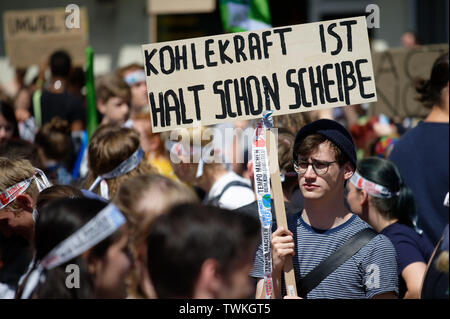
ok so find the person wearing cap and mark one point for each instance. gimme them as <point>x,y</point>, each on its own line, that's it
<point>325,159</point>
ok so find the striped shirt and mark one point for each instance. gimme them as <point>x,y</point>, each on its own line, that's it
<point>371,271</point>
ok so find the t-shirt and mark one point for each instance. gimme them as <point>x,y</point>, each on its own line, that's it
<point>410,246</point>
<point>235,196</point>
<point>66,106</point>
<point>422,156</point>
<point>436,284</point>
<point>369,272</point>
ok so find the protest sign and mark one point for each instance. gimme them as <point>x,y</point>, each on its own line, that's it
<point>180,6</point>
<point>237,76</point>
<point>396,72</point>
<point>32,35</point>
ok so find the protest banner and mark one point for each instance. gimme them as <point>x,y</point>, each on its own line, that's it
<point>396,73</point>
<point>32,35</point>
<point>237,76</point>
<point>180,6</point>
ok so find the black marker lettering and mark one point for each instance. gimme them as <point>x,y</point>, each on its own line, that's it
<point>271,93</point>
<point>327,83</point>
<point>148,66</point>
<point>239,44</point>
<point>340,85</point>
<point>194,58</point>
<point>362,79</point>
<point>196,89</point>
<point>184,119</point>
<point>240,95</point>
<point>259,105</point>
<point>267,44</point>
<point>222,99</point>
<point>171,60</point>
<point>179,58</point>
<point>281,32</point>
<point>316,85</point>
<point>254,44</point>
<point>169,108</point>
<point>338,39</point>
<point>302,87</point>
<point>345,77</point>
<point>296,87</point>
<point>157,110</point>
<point>209,53</point>
<point>322,39</point>
<point>349,24</point>
<point>222,48</point>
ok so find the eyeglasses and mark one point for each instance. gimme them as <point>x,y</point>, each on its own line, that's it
<point>319,167</point>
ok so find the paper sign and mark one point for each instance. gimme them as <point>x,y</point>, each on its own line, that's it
<point>396,71</point>
<point>210,80</point>
<point>180,6</point>
<point>32,35</point>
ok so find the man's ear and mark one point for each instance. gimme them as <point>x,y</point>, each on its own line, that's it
<point>348,170</point>
<point>207,284</point>
<point>101,106</point>
<point>25,202</point>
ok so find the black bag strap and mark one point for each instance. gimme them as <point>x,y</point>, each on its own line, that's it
<point>332,262</point>
<point>215,200</point>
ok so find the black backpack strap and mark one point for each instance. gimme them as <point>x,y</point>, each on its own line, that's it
<point>216,199</point>
<point>329,265</point>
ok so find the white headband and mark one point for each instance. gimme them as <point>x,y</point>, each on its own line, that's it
<point>11,193</point>
<point>372,188</point>
<point>126,166</point>
<point>106,222</point>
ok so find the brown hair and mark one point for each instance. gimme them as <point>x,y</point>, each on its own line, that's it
<point>312,142</point>
<point>57,191</point>
<point>109,147</point>
<point>16,171</point>
<point>54,139</point>
<point>430,90</point>
<point>141,199</point>
<point>109,86</point>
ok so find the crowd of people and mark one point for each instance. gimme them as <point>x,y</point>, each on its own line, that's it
<point>137,217</point>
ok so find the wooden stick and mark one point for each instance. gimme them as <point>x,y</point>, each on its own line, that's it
<point>280,213</point>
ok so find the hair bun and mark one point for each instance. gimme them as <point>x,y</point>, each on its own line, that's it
<point>59,125</point>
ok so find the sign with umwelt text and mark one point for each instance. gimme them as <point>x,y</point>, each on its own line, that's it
<point>33,35</point>
<point>211,80</point>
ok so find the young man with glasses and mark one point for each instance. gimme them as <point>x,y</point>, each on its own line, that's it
<point>325,158</point>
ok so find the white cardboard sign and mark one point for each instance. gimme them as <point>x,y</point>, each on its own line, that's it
<point>210,80</point>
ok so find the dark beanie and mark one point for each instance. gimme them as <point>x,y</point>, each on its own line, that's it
<point>333,131</point>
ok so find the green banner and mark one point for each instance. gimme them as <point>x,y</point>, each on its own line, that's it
<point>245,15</point>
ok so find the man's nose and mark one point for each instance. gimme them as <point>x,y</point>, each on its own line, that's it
<point>310,173</point>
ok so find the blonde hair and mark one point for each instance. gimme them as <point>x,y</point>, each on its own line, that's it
<point>141,199</point>
<point>13,172</point>
<point>109,147</point>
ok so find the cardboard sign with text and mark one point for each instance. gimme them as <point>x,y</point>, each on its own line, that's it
<point>396,72</point>
<point>180,6</point>
<point>224,78</point>
<point>32,35</point>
